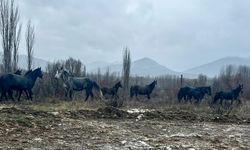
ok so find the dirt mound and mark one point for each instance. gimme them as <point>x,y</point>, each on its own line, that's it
<point>26,118</point>
<point>25,111</point>
<point>229,119</point>
<point>112,112</point>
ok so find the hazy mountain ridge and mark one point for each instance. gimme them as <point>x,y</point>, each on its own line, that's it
<point>140,67</point>
<point>22,62</point>
<point>148,67</point>
<point>213,68</point>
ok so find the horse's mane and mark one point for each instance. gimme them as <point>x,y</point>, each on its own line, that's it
<point>67,73</point>
<point>237,89</point>
<point>119,82</point>
<point>28,72</point>
<point>152,84</point>
<point>32,72</point>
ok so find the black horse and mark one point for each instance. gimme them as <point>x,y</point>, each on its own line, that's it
<point>112,91</point>
<point>197,93</point>
<point>18,72</point>
<point>71,83</point>
<point>183,93</point>
<point>139,90</point>
<point>229,96</point>
<point>10,82</point>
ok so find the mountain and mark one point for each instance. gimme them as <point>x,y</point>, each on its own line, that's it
<point>149,67</point>
<point>213,68</point>
<point>97,64</point>
<point>37,62</point>
<point>141,67</point>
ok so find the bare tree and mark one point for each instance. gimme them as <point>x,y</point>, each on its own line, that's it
<point>84,71</point>
<point>126,70</point>
<point>9,17</point>
<point>16,42</point>
<point>74,66</point>
<point>30,40</point>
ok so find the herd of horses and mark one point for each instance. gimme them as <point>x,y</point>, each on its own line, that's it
<point>24,83</point>
<point>198,94</point>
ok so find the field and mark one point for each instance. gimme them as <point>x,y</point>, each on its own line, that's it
<point>138,125</point>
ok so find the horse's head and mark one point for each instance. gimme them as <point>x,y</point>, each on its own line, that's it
<point>18,72</point>
<point>119,85</point>
<point>155,82</point>
<point>62,74</point>
<point>39,72</point>
<point>59,73</point>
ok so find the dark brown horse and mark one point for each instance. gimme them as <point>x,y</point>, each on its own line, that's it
<point>232,95</point>
<point>142,90</point>
<point>112,91</point>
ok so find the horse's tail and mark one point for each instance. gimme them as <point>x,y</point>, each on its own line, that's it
<point>98,88</point>
<point>103,91</point>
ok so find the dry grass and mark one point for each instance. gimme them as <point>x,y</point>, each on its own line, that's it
<point>56,105</point>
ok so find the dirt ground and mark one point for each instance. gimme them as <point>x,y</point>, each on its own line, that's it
<point>111,128</point>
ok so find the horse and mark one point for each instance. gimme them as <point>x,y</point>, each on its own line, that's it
<point>197,93</point>
<point>71,83</point>
<point>112,91</point>
<point>20,83</point>
<point>228,96</point>
<point>139,90</point>
<point>18,72</point>
<point>183,93</point>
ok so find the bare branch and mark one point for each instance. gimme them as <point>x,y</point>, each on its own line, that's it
<point>30,40</point>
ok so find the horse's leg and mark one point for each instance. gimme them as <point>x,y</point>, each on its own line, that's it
<point>66,93</point>
<point>30,95</point>
<point>19,95</point>
<point>4,95</point>
<point>148,95</point>
<point>221,100</point>
<point>136,95</point>
<point>27,94</point>
<point>131,94</point>
<point>10,93</point>
<point>87,95</point>
<point>239,101</point>
<point>198,101</point>
<point>117,96</point>
<point>71,94</point>
<point>92,95</point>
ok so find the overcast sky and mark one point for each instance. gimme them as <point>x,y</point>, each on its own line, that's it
<point>179,34</point>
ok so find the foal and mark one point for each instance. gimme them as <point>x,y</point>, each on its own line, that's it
<point>112,91</point>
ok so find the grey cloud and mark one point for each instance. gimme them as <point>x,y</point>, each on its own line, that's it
<point>179,34</point>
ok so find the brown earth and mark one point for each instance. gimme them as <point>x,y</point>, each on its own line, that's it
<point>111,128</point>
